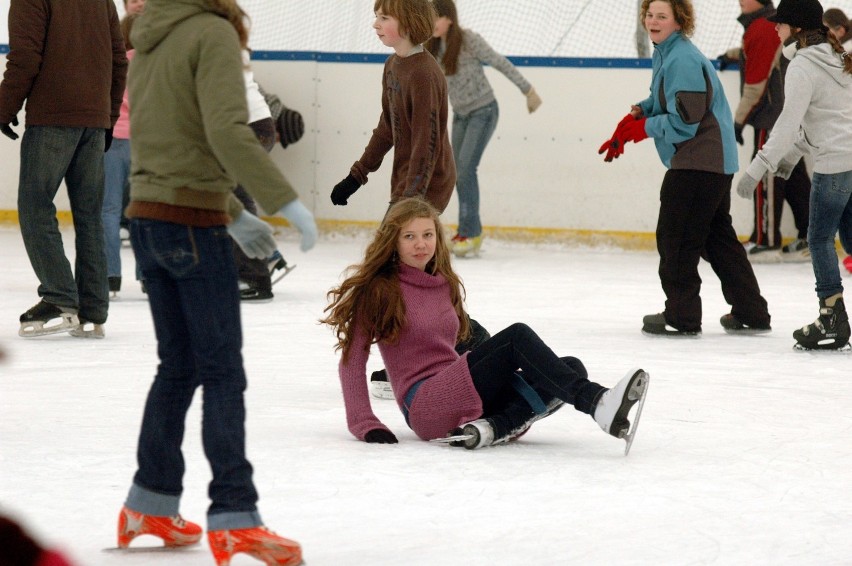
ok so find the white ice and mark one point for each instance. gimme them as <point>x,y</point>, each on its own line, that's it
<point>743,456</point>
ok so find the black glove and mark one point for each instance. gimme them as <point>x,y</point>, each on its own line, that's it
<point>344,189</point>
<point>107,139</point>
<point>724,61</point>
<point>380,436</point>
<point>9,132</point>
<point>738,133</point>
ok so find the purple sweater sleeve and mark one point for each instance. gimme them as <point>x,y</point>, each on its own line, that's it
<point>353,379</point>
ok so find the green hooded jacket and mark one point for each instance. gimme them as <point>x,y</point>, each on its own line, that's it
<point>190,143</point>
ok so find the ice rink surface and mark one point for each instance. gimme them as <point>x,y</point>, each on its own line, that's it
<point>743,455</point>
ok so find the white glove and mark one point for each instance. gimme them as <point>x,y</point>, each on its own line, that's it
<point>785,169</point>
<point>253,235</point>
<point>746,186</point>
<point>300,217</point>
<point>533,100</point>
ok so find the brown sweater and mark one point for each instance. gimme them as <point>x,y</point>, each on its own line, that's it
<point>67,60</point>
<point>414,124</point>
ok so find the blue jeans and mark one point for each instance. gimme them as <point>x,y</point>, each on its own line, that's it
<point>831,210</point>
<point>470,136</point>
<point>116,171</point>
<point>48,155</point>
<point>192,287</point>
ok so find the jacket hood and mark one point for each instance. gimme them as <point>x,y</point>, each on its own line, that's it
<point>827,59</point>
<point>159,19</point>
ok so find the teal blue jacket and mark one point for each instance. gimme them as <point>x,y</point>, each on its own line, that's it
<point>687,112</point>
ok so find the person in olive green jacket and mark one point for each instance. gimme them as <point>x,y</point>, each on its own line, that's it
<point>190,147</point>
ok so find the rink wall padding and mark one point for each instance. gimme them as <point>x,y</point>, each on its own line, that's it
<point>541,177</point>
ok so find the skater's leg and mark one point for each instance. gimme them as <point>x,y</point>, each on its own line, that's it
<point>728,260</point>
<point>85,182</point>
<point>253,271</point>
<point>682,228</point>
<point>45,155</point>
<point>116,170</point>
<point>830,197</point>
<point>469,143</point>
<point>493,364</point>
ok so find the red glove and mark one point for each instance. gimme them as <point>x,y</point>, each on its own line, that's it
<point>613,146</point>
<point>632,131</point>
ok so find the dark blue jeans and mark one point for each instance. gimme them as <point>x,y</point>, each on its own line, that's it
<point>493,365</point>
<point>192,287</point>
<point>48,155</point>
<point>831,211</point>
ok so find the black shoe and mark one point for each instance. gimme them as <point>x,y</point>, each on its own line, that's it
<point>829,332</point>
<point>255,295</point>
<point>656,325</point>
<point>732,325</point>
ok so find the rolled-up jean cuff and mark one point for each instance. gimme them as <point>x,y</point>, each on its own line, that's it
<point>233,520</point>
<point>148,502</point>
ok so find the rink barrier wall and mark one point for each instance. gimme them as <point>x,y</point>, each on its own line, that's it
<point>541,177</point>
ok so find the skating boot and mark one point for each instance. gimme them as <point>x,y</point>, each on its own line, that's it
<point>656,325</point>
<point>732,325</point>
<point>464,247</point>
<point>473,435</point>
<point>796,251</point>
<point>88,329</point>
<point>830,331</point>
<point>174,531</point>
<point>35,321</point>
<point>257,542</point>
<point>380,387</point>
<point>615,404</point>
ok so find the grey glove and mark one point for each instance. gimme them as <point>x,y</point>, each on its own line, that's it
<point>746,186</point>
<point>785,169</point>
<point>253,235</point>
<point>300,217</point>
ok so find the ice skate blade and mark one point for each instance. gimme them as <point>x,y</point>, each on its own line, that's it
<point>67,322</point>
<point>638,391</point>
<point>150,549</point>
<point>282,273</point>
<point>747,331</point>
<point>455,438</point>
<point>842,350</point>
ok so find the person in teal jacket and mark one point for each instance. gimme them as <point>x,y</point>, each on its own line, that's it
<point>690,121</point>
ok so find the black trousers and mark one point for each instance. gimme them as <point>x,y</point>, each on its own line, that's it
<point>694,222</point>
<point>769,201</point>
<point>255,271</point>
<point>493,365</point>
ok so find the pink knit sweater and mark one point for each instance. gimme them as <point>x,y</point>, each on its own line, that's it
<point>425,350</point>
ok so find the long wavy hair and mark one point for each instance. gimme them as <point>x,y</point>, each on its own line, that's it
<point>416,17</point>
<point>684,14</point>
<point>231,11</point>
<point>454,39</point>
<point>370,297</point>
<point>810,37</point>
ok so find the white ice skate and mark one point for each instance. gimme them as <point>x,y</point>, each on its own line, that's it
<point>380,387</point>
<point>45,318</point>
<point>473,435</point>
<point>88,329</point>
<point>613,409</point>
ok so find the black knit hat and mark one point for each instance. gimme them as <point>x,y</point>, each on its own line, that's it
<point>805,14</point>
<point>291,127</point>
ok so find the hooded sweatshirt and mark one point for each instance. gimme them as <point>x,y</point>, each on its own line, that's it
<point>817,115</point>
<point>191,143</point>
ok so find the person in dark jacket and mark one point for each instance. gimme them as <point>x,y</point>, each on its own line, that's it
<point>67,60</point>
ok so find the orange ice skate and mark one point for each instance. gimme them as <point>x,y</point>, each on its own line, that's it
<point>257,542</point>
<point>174,531</point>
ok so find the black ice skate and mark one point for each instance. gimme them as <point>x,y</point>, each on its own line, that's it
<point>733,325</point>
<point>830,331</point>
<point>656,325</point>
<point>278,267</point>
<point>37,321</point>
<point>614,406</point>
